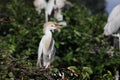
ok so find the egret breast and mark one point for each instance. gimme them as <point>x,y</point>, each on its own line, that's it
<point>60,3</point>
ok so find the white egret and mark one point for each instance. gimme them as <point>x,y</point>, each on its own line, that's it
<point>51,6</point>
<point>115,12</point>
<point>44,4</point>
<point>46,50</point>
<point>39,5</point>
<point>112,26</point>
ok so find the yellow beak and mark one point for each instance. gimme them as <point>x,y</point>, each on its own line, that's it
<point>57,27</point>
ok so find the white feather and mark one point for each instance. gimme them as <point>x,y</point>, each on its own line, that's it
<point>117,75</point>
<point>52,51</point>
<point>45,50</point>
<point>49,57</point>
<point>63,23</point>
<point>60,3</point>
<point>113,24</point>
<point>58,15</point>
<point>40,52</point>
<point>39,5</point>
<point>115,12</point>
<point>50,7</point>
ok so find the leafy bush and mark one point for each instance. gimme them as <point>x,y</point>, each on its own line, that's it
<point>81,47</point>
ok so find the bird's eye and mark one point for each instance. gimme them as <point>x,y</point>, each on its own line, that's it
<point>52,25</point>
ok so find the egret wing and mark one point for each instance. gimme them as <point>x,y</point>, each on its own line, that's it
<point>40,51</point>
<point>52,49</point>
<point>49,7</point>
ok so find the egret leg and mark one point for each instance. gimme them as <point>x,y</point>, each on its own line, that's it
<point>48,64</point>
<point>119,40</point>
<point>46,16</point>
<point>117,75</point>
<point>118,36</point>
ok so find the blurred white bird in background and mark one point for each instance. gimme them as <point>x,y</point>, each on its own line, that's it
<point>52,7</point>
<point>115,12</point>
<point>46,50</point>
<point>39,5</point>
<point>48,5</point>
<point>112,27</point>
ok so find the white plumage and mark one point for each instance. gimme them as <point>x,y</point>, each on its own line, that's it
<point>112,26</point>
<point>60,3</point>
<point>42,4</point>
<point>39,5</point>
<point>52,6</point>
<point>49,7</point>
<point>113,22</point>
<point>115,12</point>
<point>46,50</point>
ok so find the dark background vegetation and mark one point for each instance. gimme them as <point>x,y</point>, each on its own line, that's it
<point>81,47</point>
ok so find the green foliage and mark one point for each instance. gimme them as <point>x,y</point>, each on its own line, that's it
<point>81,47</point>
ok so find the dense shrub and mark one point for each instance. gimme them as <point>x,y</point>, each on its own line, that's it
<point>81,47</point>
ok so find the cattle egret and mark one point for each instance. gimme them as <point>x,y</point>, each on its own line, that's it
<point>48,5</point>
<point>112,28</point>
<point>51,6</point>
<point>46,50</point>
<point>113,24</point>
<point>115,12</point>
<point>39,5</point>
